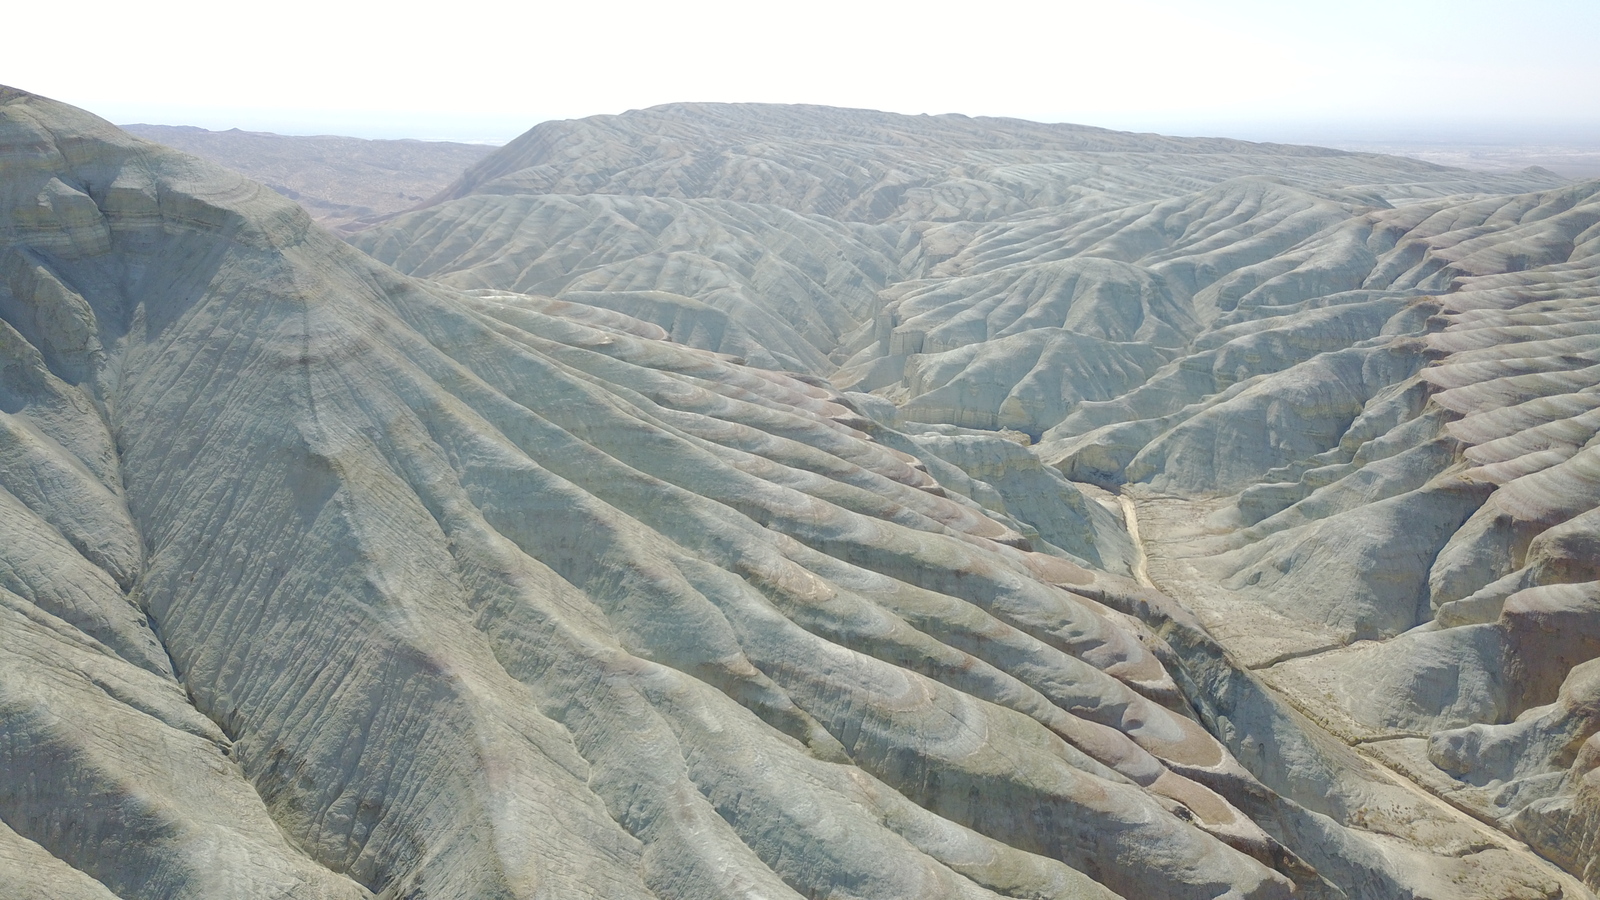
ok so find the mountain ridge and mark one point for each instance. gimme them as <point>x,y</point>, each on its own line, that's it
<point>426,591</point>
<point>1295,390</point>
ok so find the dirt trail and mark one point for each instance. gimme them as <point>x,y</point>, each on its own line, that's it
<point>1141,560</point>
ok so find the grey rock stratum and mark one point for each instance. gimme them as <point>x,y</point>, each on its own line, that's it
<point>771,502</point>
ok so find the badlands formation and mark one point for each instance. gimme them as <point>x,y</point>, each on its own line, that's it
<point>753,501</point>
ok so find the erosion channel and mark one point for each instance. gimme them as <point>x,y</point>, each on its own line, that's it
<point>719,501</point>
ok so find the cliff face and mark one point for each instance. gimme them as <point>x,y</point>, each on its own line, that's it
<point>323,580</point>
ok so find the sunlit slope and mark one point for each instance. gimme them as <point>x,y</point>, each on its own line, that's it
<point>1236,278</point>
<point>320,581</point>
<point>866,166</point>
<point>1416,512</point>
<point>1349,394</point>
<point>775,287</point>
<point>1019,268</point>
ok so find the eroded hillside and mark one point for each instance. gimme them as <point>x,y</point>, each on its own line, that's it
<point>1348,396</point>
<point>516,580</point>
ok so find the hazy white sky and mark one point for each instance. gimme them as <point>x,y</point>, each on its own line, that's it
<point>477,70</point>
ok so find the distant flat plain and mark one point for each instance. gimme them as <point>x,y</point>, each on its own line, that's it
<point>1574,159</point>
<point>341,181</point>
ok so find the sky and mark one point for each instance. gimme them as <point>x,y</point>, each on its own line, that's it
<point>481,71</point>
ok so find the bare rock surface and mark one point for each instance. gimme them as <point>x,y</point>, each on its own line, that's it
<point>551,562</point>
<point>461,596</point>
<point>1400,534</point>
<point>1342,388</point>
<point>775,287</point>
<point>1001,251</point>
<point>861,165</point>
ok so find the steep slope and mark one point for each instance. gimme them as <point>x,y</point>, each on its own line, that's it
<point>321,581</point>
<point>987,225</point>
<point>774,287</point>
<point>1346,399</point>
<point>1414,513</point>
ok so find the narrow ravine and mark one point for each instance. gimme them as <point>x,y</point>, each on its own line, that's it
<point>1141,560</point>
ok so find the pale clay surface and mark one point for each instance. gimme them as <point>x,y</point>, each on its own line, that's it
<point>541,577</point>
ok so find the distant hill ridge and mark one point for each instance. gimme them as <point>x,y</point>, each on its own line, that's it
<point>689,513</point>
<point>341,181</point>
